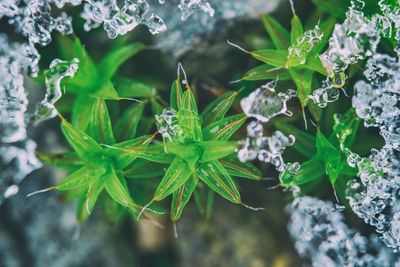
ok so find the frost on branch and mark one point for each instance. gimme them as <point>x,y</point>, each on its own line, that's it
<point>322,237</point>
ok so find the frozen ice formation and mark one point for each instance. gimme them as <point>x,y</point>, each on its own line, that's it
<point>376,197</point>
<point>326,94</point>
<point>34,20</point>
<point>322,237</point>
<point>16,162</point>
<point>266,149</point>
<point>167,124</point>
<point>351,41</point>
<point>187,8</point>
<point>15,59</point>
<point>119,17</point>
<point>58,70</point>
<point>299,51</point>
<point>264,104</point>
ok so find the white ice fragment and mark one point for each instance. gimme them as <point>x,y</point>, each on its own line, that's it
<point>16,162</point>
<point>266,149</point>
<point>167,124</point>
<point>187,8</point>
<point>263,104</point>
<point>300,49</point>
<point>118,19</point>
<point>57,71</point>
<point>322,237</point>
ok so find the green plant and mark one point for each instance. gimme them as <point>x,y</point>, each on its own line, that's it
<point>199,153</point>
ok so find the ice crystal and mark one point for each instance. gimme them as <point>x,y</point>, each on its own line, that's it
<point>16,161</point>
<point>264,104</point>
<point>33,18</point>
<point>187,8</point>
<point>326,94</point>
<point>322,237</point>
<point>351,41</point>
<point>266,149</point>
<point>119,19</point>
<point>299,51</point>
<point>375,198</point>
<point>57,71</point>
<point>14,60</point>
<point>167,124</point>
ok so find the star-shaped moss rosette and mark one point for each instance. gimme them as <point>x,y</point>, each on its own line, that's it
<point>197,149</point>
<point>95,168</point>
<point>295,57</point>
<point>94,81</point>
<point>328,157</point>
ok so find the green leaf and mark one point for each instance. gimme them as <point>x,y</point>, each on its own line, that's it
<point>218,179</point>
<point>156,107</point>
<point>66,161</point>
<point>310,170</point>
<point>240,169</point>
<point>99,126</point>
<point>333,7</point>
<point>303,80</point>
<point>346,126</point>
<point>296,29</point>
<point>272,57</point>
<point>177,174</point>
<point>126,152</point>
<point>114,59</point>
<point>266,72</point>
<point>144,169</point>
<point>126,125</point>
<point>84,145</point>
<point>217,109</point>
<point>225,128</point>
<point>305,143</point>
<point>314,63</point>
<point>176,94</point>
<point>213,150</point>
<point>181,197</point>
<point>88,199</point>
<point>127,87</point>
<point>329,155</point>
<point>80,178</point>
<point>188,152</point>
<point>117,190</point>
<point>82,107</point>
<point>327,27</point>
<point>188,117</point>
<point>279,35</point>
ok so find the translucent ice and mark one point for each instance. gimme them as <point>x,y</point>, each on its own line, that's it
<point>167,124</point>
<point>299,51</point>
<point>264,104</point>
<point>119,18</point>
<point>15,59</point>
<point>57,71</point>
<point>34,20</point>
<point>322,237</point>
<point>266,149</point>
<point>187,8</point>
<point>16,161</point>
